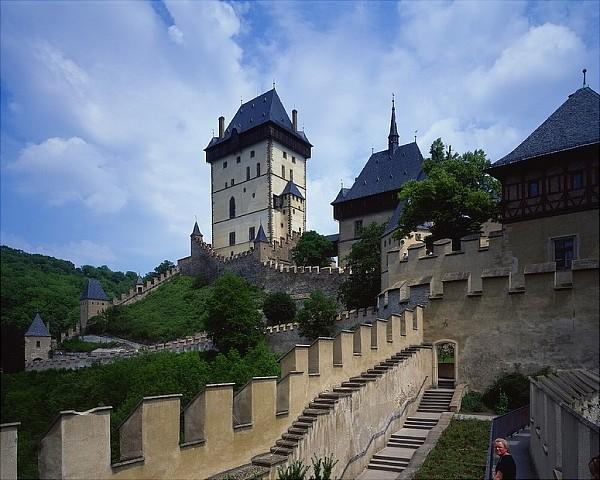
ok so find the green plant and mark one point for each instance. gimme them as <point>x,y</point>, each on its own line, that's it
<point>317,316</point>
<point>326,463</point>
<point>294,471</point>
<point>78,345</point>
<point>501,406</point>
<point>472,402</point>
<point>515,386</point>
<point>279,307</point>
<point>312,249</point>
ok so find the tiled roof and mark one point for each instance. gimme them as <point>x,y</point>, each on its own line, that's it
<point>260,236</point>
<point>262,109</point>
<point>93,291</point>
<point>37,328</point>
<point>292,189</point>
<point>575,123</point>
<point>384,173</point>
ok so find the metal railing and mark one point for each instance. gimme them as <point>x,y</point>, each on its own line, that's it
<point>502,427</point>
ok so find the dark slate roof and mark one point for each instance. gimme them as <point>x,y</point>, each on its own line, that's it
<point>196,230</point>
<point>260,236</point>
<point>393,223</point>
<point>37,328</point>
<point>334,237</point>
<point>262,109</point>
<point>384,173</point>
<point>292,189</point>
<point>575,123</point>
<point>93,291</point>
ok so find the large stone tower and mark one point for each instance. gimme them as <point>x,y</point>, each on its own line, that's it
<point>258,175</point>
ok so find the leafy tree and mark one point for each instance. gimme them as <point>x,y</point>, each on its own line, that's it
<point>312,249</point>
<point>457,196</point>
<point>233,319</point>
<point>317,316</point>
<point>163,267</point>
<point>279,307</point>
<point>364,283</point>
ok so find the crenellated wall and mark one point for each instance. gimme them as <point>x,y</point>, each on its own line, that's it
<point>527,321</point>
<point>135,295</point>
<point>221,430</point>
<point>258,267</point>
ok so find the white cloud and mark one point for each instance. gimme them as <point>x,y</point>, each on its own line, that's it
<point>84,252</point>
<point>66,170</point>
<point>176,34</point>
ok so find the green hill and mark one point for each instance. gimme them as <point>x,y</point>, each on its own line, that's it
<point>37,283</point>
<point>173,310</point>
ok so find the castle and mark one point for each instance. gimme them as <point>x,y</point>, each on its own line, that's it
<point>523,297</point>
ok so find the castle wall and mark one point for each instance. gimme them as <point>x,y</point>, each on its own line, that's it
<point>347,237</point>
<point>8,451</point>
<point>546,321</point>
<point>531,240</point>
<point>221,430</point>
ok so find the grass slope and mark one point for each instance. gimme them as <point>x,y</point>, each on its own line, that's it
<point>173,310</point>
<point>461,452</point>
<point>35,398</point>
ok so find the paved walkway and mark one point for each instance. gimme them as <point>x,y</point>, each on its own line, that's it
<point>519,449</point>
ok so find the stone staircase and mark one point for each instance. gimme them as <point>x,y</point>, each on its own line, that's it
<point>325,402</point>
<point>389,462</point>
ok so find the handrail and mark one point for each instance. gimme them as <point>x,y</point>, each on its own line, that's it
<point>502,427</point>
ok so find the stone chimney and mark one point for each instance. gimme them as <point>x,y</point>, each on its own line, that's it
<point>221,126</point>
<point>295,119</point>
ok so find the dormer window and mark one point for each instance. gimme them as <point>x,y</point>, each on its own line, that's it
<point>284,154</point>
<point>224,164</point>
<point>251,153</point>
<point>238,159</point>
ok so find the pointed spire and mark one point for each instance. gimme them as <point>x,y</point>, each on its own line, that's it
<point>37,328</point>
<point>260,236</point>
<point>140,280</point>
<point>393,137</point>
<point>196,231</point>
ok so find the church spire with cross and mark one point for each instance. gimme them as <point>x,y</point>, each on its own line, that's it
<point>393,137</point>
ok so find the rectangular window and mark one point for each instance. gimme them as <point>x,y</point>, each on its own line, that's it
<point>291,175</point>
<point>224,164</point>
<point>277,203</point>
<point>564,252</point>
<point>232,182</point>
<point>283,171</point>
<point>512,192</point>
<point>358,228</point>
<point>284,154</point>
<point>231,238</point>
<point>238,159</point>
<point>37,343</point>
<point>533,188</point>
<point>293,159</point>
<point>258,169</point>
<point>251,233</point>
<point>226,185</point>
<point>576,180</point>
<point>251,153</point>
<point>555,184</point>
<point>247,173</point>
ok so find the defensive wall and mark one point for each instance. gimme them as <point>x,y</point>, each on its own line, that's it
<point>137,292</point>
<point>222,430</point>
<point>72,361</point>
<point>259,267</point>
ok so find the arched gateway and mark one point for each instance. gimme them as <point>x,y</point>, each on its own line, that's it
<point>445,363</point>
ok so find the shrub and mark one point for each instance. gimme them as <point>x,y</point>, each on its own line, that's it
<point>472,402</point>
<point>515,387</point>
<point>312,249</point>
<point>279,307</point>
<point>294,471</point>
<point>317,316</point>
<point>501,406</point>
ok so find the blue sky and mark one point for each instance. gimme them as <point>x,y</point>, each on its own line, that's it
<point>106,107</point>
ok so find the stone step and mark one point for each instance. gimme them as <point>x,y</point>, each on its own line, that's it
<point>399,444</point>
<point>281,451</point>
<point>390,462</point>
<point>358,380</point>
<point>422,419</point>
<point>323,399</point>
<point>313,412</point>
<point>353,385</point>
<point>292,437</point>
<point>371,376</point>
<point>394,454</point>
<point>409,441</point>
<point>317,405</point>
<point>385,468</point>
<point>418,425</point>
<point>297,431</point>
<point>438,410</point>
<point>286,443</point>
<point>374,371</point>
<point>334,395</point>
<point>306,419</point>
<point>347,390</point>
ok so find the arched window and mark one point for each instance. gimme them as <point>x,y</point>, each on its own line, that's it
<point>232,207</point>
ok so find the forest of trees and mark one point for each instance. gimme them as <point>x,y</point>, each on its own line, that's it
<point>36,283</point>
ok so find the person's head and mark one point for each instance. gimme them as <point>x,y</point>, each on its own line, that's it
<point>501,446</point>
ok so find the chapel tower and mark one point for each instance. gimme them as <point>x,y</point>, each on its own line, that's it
<point>258,175</point>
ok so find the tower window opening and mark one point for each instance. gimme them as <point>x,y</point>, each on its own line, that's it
<point>247,173</point>
<point>283,171</point>
<point>258,169</point>
<point>232,207</point>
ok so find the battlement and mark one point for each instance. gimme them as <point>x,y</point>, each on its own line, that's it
<point>365,315</point>
<point>138,292</point>
<point>221,429</point>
